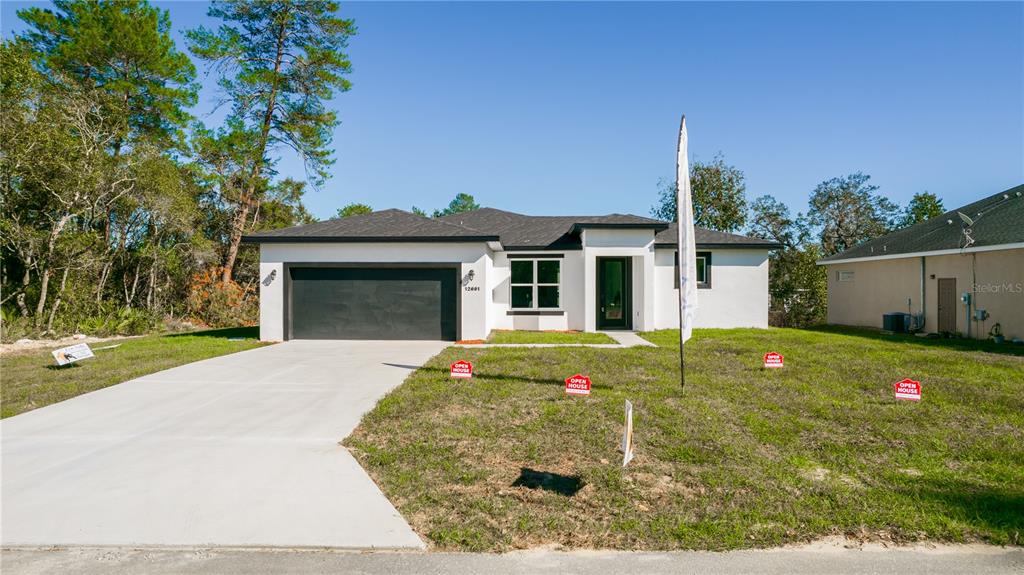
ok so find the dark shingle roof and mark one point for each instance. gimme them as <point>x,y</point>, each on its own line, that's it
<point>519,231</point>
<point>713,239</point>
<point>515,231</point>
<point>998,219</point>
<point>385,225</point>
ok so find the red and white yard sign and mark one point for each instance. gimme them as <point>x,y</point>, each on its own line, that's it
<point>577,385</point>
<point>772,359</point>
<point>908,389</point>
<point>462,369</point>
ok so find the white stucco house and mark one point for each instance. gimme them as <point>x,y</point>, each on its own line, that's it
<point>396,275</point>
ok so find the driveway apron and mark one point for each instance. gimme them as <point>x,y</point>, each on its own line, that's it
<point>239,450</point>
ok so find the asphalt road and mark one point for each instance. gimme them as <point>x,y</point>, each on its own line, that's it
<point>816,560</point>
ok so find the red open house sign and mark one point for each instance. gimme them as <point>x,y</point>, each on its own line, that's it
<point>577,385</point>
<point>462,369</point>
<point>772,359</point>
<point>908,389</point>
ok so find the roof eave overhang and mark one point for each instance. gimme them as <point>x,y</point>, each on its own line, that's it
<point>657,227</point>
<point>551,248</point>
<point>946,252</point>
<point>366,239</point>
<point>711,245</point>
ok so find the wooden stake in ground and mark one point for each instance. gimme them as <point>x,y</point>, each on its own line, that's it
<point>687,250</point>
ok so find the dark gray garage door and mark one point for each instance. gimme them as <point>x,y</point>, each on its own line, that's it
<point>373,303</point>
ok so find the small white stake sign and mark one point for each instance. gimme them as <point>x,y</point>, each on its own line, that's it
<point>627,436</point>
<point>71,354</point>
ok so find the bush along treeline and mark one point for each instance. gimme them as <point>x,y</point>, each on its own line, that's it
<point>841,213</point>
<point>120,210</point>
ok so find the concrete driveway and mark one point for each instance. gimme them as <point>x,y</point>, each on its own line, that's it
<point>239,450</point>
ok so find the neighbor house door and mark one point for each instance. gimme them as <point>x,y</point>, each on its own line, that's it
<point>947,305</point>
<point>613,293</point>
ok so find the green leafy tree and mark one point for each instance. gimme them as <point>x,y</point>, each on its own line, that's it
<point>418,211</point>
<point>846,211</point>
<point>354,210</point>
<point>923,206</point>
<point>461,203</point>
<point>120,56</point>
<point>770,220</point>
<point>279,62</point>
<point>796,283</point>
<point>719,196</point>
<point>123,49</point>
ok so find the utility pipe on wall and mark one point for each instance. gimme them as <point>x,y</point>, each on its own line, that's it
<point>921,326</point>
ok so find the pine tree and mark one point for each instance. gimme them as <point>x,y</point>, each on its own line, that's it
<point>279,62</point>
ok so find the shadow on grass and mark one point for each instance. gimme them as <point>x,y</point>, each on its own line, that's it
<point>567,485</point>
<point>477,374</point>
<point>998,510</point>
<point>958,344</point>
<point>252,332</point>
<point>64,367</point>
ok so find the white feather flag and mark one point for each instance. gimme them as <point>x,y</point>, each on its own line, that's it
<point>687,245</point>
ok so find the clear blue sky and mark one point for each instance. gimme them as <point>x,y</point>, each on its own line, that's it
<point>552,108</point>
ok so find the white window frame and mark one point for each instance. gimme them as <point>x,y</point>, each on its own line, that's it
<point>535,284</point>
<point>844,276</point>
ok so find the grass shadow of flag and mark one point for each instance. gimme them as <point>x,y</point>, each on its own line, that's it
<point>566,485</point>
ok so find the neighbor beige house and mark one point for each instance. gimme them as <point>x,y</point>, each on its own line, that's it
<point>959,273</point>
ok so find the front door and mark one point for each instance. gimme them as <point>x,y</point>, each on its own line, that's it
<point>947,305</point>
<point>613,293</point>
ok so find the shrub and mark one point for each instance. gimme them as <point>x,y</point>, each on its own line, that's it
<point>123,321</point>
<point>220,304</point>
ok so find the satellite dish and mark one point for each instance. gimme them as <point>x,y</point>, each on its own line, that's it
<point>966,219</point>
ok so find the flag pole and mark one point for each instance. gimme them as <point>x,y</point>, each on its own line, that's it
<point>683,224</point>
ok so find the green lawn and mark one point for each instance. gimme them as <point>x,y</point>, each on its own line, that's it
<point>743,457</point>
<point>32,379</point>
<point>570,337</point>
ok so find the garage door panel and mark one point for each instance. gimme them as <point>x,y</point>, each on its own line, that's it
<point>373,303</point>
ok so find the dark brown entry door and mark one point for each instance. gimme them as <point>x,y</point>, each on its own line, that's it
<point>613,293</point>
<point>947,305</point>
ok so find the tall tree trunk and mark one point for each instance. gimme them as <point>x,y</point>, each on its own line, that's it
<point>25,280</point>
<point>151,289</point>
<point>59,300</point>
<point>130,298</point>
<point>104,274</point>
<point>237,227</point>
<point>44,285</point>
<point>51,245</point>
<point>246,201</point>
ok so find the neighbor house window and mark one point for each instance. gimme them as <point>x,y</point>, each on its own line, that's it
<point>844,276</point>
<point>703,271</point>
<point>535,283</point>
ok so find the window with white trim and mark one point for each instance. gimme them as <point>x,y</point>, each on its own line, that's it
<point>536,284</point>
<point>844,276</point>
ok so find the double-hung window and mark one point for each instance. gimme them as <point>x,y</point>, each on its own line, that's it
<point>536,284</point>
